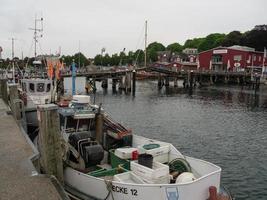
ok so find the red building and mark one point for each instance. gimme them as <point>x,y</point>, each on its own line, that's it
<point>235,58</point>
<point>187,60</point>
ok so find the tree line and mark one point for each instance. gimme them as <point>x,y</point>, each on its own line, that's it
<point>255,38</point>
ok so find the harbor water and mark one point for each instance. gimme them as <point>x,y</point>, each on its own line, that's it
<point>223,125</point>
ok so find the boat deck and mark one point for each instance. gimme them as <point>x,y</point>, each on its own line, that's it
<point>19,179</point>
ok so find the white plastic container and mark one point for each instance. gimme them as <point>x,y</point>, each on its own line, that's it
<point>160,154</point>
<point>125,153</point>
<point>83,99</point>
<point>128,177</point>
<point>158,170</point>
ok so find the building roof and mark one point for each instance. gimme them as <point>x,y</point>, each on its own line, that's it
<point>234,47</point>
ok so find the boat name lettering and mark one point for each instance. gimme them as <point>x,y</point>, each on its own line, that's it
<point>124,190</point>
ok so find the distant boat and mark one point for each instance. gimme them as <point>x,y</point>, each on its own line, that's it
<point>141,75</point>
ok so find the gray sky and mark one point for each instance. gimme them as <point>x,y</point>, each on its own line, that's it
<point>115,24</point>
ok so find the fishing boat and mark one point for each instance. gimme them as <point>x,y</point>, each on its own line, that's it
<point>105,160</point>
<point>39,85</point>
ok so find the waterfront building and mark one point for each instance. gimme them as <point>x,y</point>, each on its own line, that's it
<point>234,58</point>
<point>186,60</point>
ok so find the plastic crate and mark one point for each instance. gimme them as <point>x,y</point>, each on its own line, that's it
<point>108,172</point>
<point>128,177</point>
<point>115,161</point>
<point>160,154</point>
<point>158,170</point>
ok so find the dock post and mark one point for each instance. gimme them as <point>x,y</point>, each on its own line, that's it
<point>14,95</point>
<point>211,79</point>
<point>134,82</point>
<point>114,83</point>
<point>50,140</point>
<point>128,82</point>
<point>94,86</point>
<point>99,121</point>
<point>160,82</point>
<point>4,90</point>
<point>104,83</point>
<point>167,81</point>
<point>175,82</point>
<point>191,78</point>
<point>120,84</point>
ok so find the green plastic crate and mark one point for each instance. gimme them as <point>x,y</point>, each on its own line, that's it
<point>115,161</point>
<point>108,172</point>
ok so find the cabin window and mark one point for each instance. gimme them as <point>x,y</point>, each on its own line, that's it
<point>217,58</point>
<point>31,87</point>
<point>48,87</point>
<point>237,57</point>
<point>24,88</point>
<point>40,87</point>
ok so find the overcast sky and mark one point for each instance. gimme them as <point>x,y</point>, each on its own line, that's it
<point>118,24</point>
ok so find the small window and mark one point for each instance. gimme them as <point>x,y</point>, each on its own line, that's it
<point>40,87</point>
<point>31,87</point>
<point>48,87</point>
<point>259,58</point>
<point>254,58</point>
<point>237,57</point>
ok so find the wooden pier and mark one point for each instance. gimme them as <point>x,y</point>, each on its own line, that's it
<point>122,80</point>
<point>208,77</point>
<point>18,167</point>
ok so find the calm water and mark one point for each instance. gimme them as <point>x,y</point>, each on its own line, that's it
<point>226,126</point>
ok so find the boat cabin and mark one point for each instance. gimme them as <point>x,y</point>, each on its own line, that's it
<point>36,85</point>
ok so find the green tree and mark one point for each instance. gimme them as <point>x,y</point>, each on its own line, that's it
<point>79,58</point>
<point>256,39</point>
<point>193,43</point>
<point>174,47</point>
<point>211,41</point>
<point>152,50</point>
<point>233,38</point>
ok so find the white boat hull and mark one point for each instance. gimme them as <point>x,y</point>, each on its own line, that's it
<point>97,188</point>
<point>207,174</point>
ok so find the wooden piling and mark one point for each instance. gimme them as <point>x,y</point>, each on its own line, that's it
<point>99,121</point>
<point>14,96</point>
<point>160,82</point>
<point>175,82</point>
<point>104,83</point>
<point>4,90</point>
<point>167,81</point>
<point>134,82</point>
<point>50,141</point>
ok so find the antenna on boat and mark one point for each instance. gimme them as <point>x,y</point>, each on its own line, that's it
<point>12,55</point>
<point>36,31</point>
<point>145,42</point>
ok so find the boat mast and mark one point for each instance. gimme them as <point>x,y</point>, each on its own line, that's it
<point>12,55</point>
<point>36,30</point>
<point>145,42</point>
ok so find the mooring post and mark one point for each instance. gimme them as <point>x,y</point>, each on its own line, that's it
<point>4,91</point>
<point>104,83</point>
<point>167,81</point>
<point>50,140</point>
<point>160,82</point>
<point>14,95</point>
<point>128,82</point>
<point>175,82</point>
<point>191,78</point>
<point>114,83</point>
<point>99,121</point>
<point>134,81</point>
